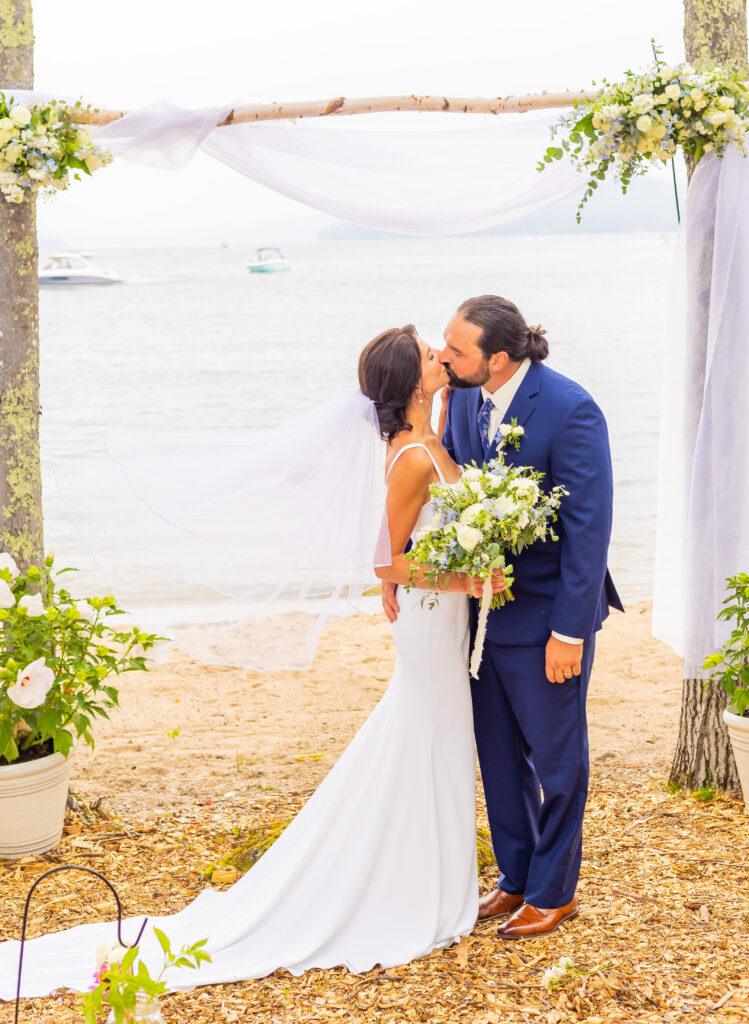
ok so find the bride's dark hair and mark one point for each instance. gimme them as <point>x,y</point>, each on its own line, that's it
<point>389,373</point>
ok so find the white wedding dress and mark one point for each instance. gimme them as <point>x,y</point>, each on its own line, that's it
<point>379,867</point>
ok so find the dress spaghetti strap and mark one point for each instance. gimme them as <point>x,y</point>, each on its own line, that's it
<point>416,444</point>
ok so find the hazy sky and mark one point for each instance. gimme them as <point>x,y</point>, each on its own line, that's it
<point>201,54</point>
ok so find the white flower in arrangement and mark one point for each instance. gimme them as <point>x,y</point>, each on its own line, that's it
<point>643,103</point>
<point>719,118</point>
<point>20,115</point>
<point>475,487</point>
<point>32,685</point>
<point>673,91</point>
<point>508,430</point>
<point>504,505</point>
<point>468,536</point>
<point>725,102</point>
<point>471,473</point>
<point>8,562</point>
<point>469,514</point>
<point>528,489</point>
<point>110,954</point>
<point>667,73</point>
<point>32,605</point>
<point>644,123</point>
<point>7,600</point>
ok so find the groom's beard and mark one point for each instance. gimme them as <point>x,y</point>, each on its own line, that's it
<point>481,376</point>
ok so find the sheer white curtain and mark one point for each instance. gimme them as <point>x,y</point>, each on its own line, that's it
<point>703,500</point>
<point>419,182</point>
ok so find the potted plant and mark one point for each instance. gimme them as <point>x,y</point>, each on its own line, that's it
<point>57,657</point>
<point>731,665</point>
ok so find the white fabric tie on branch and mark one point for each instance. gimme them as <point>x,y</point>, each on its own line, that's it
<point>416,182</point>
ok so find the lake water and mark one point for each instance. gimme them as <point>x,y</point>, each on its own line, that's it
<point>191,339</point>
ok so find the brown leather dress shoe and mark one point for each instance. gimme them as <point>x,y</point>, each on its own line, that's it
<point>530,921</point>
<point>498,902</point>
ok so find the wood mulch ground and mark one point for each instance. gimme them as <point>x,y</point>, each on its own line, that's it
<point>663,933</point>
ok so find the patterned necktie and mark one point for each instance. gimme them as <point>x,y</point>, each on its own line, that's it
<point>485,413</point>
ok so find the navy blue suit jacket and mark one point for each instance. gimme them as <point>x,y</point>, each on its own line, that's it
<point>561,585</point>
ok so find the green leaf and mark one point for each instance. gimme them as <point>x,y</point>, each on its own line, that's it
<point>63,742</point>
<point>163,940</point>
<point>129,958</point>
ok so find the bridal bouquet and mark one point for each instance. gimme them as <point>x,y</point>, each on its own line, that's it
<point>492,510</point>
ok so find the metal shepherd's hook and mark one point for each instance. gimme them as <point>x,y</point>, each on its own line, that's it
<point>53,871</point>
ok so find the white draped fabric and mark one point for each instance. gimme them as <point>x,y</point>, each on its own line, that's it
<point>416,182</point>
<point>703,499</point>
<point>452,181</point>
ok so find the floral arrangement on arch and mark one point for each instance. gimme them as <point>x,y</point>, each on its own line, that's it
<point>646,118</point>
<point>42,147</point>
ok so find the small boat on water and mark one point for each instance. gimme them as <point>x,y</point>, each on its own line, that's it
<point>74,268</point>
<point>268,260</point>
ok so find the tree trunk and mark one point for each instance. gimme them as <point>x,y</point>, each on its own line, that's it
<point>20,468</point>
<point>713,32</point>
<point>703,754</point>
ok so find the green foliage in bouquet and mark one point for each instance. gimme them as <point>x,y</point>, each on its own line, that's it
<point>492,510</point>
<point>731,662</point>
<point>120,987</point>
<point>647,118</point>
<point>56,657</point>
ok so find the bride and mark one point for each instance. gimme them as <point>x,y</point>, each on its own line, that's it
<point>379,867</point>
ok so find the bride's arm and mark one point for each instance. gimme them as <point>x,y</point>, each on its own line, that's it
<point>408,490</point>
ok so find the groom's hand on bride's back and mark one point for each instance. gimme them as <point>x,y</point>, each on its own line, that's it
<point>389,603</point>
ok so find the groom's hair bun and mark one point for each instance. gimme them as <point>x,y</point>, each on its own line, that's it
<point>503,329</point>
<point>389,373</point>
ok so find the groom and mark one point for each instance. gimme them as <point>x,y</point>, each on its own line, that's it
<point>529,698</point>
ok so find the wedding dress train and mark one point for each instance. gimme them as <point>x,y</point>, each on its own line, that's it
<point>379,867</point>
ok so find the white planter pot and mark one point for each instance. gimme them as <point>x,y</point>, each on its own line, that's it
<point>33,795</point>
<point>738,731</point>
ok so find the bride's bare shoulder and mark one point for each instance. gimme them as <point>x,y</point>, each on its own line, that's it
<point>413,467</point>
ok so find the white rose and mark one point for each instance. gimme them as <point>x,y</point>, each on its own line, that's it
<point>696,94</point>
<point>468,537</point>
<point>6,595</point>
<point>666,74</point>
<point>33,605</point>
<point>673,91</point>
<point>725,102</point>
<point>6,125</point>
<point>13,152</point>
<point>32,685</point>
<point>644,123</point>
<point>8,562</point>
<point>20,115</point>
<point>718,119</point>
<point>472,473</point>
<point>475,487</point>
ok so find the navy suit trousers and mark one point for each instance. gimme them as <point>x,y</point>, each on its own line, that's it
<point>532,741</point>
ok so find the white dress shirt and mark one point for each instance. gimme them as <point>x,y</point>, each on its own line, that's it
<point>502,399</point>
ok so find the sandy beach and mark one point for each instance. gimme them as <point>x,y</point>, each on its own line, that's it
<point>190,733</point>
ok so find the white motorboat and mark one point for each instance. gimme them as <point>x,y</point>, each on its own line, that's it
<point>74,268</point>
<point>268,260</point>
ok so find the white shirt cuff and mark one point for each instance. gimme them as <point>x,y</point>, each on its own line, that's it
<point>566,639</point>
